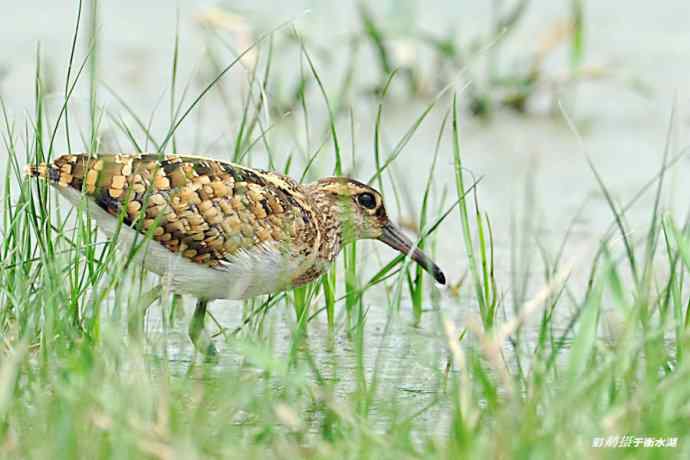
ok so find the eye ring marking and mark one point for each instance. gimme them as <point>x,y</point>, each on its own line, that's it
<point>366,200</point>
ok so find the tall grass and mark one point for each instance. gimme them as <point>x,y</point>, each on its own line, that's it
<point>84,373</point>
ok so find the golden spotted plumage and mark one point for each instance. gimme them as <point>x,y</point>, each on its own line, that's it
<point>205,210</point>
<point>221,230</point>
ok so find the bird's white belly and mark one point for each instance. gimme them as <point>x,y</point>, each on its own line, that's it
<point>260,270</point>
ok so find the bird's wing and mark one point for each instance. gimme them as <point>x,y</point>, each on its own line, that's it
<point>208,211</point>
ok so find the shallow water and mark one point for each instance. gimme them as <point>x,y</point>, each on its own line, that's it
<point>527,164</point>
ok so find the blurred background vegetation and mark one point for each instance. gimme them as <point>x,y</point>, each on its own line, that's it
<point>536,148</point>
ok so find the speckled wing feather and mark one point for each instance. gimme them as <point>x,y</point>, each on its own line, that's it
<point>205,210</point>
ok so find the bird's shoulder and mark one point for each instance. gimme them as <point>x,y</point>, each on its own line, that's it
<point>209,211</point>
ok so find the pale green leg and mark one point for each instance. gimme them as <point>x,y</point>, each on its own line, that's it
<point>176,303</point>
<point>198,334</point>
<point>136,318</point>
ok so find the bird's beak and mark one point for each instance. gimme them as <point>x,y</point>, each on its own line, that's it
<point>394,238</point>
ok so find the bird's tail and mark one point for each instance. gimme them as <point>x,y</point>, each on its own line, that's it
<point>65,170</point>
<point>40,170</point>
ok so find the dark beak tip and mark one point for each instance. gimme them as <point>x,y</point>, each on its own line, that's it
<point>439,276</point>
<point>394,238</point>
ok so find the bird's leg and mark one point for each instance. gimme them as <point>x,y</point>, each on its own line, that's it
<point>176,302</point>
<point>150,297</point>
<point>136,317</point>
<point>197,333</point>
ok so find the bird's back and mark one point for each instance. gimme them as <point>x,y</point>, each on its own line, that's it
<point>214,214</point>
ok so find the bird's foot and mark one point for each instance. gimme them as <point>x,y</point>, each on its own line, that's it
<point>204,345</point>
<point>199,336</point>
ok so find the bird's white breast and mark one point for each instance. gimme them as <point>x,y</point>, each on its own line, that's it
<point>262,269</point>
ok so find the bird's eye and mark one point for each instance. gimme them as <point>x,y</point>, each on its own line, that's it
<point>366,200</point>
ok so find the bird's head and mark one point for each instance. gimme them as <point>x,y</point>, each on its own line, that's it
<point>359,212</point>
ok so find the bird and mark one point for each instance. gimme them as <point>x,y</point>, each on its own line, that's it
<point>219,230</point>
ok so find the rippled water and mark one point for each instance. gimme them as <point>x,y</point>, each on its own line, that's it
<point>532,163</point>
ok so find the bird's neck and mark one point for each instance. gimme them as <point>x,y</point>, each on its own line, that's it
<point>327,220</point>
<point>329,223</point>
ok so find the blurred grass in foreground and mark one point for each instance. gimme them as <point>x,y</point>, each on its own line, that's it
<point>77,382</point>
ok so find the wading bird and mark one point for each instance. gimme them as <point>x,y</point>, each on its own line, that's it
<point>218,230</point>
